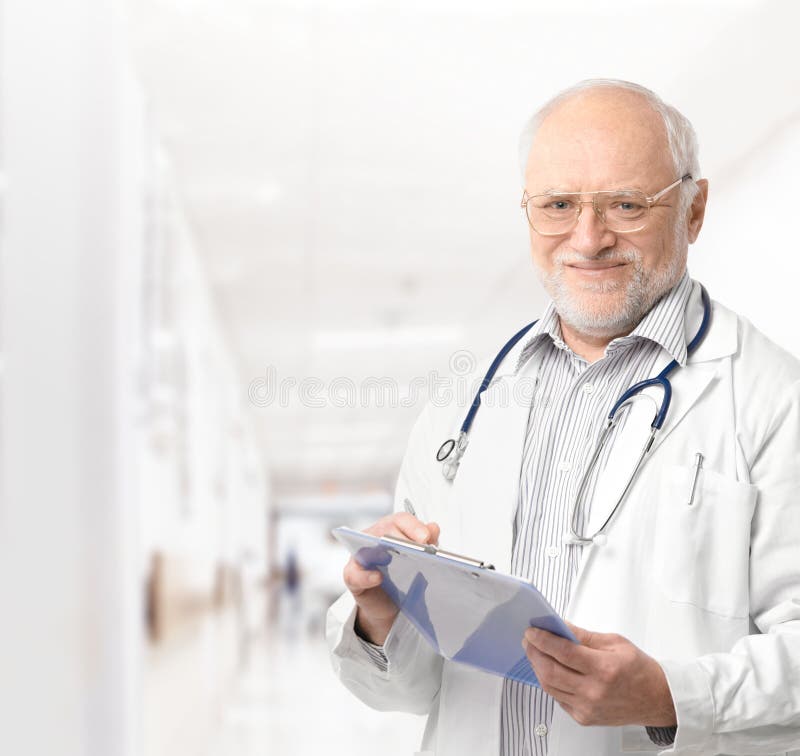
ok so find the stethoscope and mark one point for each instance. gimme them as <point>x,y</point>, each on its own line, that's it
<point>452,450</point>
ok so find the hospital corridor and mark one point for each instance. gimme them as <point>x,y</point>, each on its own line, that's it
<point>262,706</point>
<point>242,244</point>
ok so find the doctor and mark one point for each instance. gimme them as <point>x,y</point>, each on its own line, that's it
<point>687,606</point>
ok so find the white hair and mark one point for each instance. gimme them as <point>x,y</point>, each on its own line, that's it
<point>681,136</point>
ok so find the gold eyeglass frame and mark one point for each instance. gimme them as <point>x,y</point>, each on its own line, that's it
<point>651,201</point>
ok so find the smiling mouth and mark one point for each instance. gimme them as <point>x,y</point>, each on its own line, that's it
<point>595,267</point>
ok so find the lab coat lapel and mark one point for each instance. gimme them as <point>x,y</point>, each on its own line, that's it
<point>690,382</point>
<point>486,487</point>
<point>688,385</point>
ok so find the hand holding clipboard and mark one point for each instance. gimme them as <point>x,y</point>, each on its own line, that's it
<point>465,610</point>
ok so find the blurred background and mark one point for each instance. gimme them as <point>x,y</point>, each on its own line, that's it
<point>239,240</point>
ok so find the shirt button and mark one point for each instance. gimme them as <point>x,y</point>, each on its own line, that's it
<point>552,551</point>
<point>565,465</point>
<point>588,388</point>
<point>540,730</point>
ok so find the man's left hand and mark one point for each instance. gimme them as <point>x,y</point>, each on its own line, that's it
<point>603,680</point>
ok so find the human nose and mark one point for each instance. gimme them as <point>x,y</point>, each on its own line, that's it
<point>590,234</point>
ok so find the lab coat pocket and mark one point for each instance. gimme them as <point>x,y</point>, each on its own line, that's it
<point>703,537</point>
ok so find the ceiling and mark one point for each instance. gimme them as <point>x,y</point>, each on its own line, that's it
<point>348,170</point>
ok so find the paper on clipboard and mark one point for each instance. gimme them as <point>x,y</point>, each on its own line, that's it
<point>466,611</point>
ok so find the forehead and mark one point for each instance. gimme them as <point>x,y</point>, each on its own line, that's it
<point>600,140</point>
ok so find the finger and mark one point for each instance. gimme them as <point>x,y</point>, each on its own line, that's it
<point>409,527</point>
<point>392,524</point>
<point>401,525</point>
<point>566,706</point>
<point>552,673</point>
<point>585,637</point>
<point>357,579</point>
<point>563,698</point>
<point>435,531</point>
<point>548,685</point>
<point>572,655</point>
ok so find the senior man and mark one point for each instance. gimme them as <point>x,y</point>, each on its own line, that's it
<point>687,607</point>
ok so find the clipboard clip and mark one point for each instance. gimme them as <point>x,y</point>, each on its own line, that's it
<point>429,548</point>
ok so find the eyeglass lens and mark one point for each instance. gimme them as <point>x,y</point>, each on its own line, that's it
<point>558,213</point>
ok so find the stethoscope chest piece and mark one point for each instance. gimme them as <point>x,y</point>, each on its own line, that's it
<point>450,468</point>
<point>450,452</point>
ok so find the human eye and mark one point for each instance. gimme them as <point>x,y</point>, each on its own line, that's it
<point>555,205</point>
<point>626,205</point>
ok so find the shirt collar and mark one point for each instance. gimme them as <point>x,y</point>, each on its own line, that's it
<point>547,326</point>
<point>663,324</point>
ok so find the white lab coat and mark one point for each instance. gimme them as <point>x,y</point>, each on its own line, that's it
<point>711,590</point>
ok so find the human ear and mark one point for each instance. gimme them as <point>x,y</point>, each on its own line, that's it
<point>697,211</point>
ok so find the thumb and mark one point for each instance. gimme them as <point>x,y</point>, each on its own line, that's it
<point>434,530</point>
<point>585,637</point>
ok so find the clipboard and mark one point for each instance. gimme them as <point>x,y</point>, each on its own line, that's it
<point>466,610</point>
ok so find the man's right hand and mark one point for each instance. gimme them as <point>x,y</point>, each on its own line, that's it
<point>376,611</point>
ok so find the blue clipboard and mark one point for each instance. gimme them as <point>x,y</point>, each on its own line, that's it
<point>468,612</point>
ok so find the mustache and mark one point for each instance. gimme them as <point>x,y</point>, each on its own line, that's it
<point>614,254</point>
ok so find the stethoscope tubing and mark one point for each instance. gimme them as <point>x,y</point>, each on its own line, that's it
<point>487,379</point>
<point>451,451</point>
<point>661,379</point>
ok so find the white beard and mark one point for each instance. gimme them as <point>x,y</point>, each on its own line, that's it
<point>594,310</point>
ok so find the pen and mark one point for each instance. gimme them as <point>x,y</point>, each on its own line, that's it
<point>409,507</point>
<point>698,463</point>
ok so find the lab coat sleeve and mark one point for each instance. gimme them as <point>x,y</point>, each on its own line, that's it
<point>413,675</point>
<point>747,701</point>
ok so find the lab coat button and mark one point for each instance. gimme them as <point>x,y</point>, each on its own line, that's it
<point>552,551</point>
<point>540,730</point>
<point>565,465</point>
<point>588,388</point>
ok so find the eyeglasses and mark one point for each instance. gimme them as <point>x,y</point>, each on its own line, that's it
<point>623,211</point>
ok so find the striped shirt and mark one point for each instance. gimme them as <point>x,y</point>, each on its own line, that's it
<point>569,407</point>
<point>568,410</point>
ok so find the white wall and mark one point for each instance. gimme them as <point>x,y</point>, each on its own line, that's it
<point>122,427</point>
<point>69,635</point>
<point>748,253</point>
<point>204,494</point>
